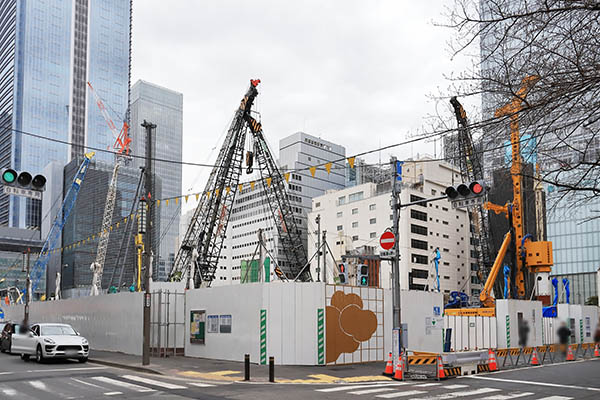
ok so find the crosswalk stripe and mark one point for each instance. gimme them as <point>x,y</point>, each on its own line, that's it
<point>556,398</point>
<point>428,384</point>
<point>452,387</point>
<point>112,393</point>
<point>507,396</point>
<point>153,382</point>
<point>376,390</point>
<point>127,385</point>
<point>400,394</point>
<point>39,385</point>
<point>9,392</point>
<point>454,395</point>
<point>200,384</point>
<point>351,387</point>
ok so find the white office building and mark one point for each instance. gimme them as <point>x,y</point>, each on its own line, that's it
<point>251,211</point>
<point>355,218</point>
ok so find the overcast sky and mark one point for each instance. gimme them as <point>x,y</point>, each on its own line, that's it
<point>353,72</point>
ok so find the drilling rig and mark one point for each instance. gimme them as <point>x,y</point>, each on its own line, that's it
<point>199,253</point>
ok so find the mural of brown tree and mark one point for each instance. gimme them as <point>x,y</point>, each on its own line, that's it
<point>347,324</point>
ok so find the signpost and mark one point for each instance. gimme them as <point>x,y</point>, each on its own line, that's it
<point>32,194</point>
<point>387,240</point>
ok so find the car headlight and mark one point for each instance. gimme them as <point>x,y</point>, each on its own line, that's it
<point>84,342</point>
<point>49,341</point>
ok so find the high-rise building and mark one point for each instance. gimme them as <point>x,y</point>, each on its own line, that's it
<point>357,216</point>
<point>163,107</point>
<point>251,211</point>
<point>49,51</point>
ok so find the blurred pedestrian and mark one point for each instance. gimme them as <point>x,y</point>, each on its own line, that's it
<point>523,334</point>
<point>564,333</point>
<point>597,334</point>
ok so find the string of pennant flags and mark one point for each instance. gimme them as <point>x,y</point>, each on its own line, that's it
<point>185,198</point>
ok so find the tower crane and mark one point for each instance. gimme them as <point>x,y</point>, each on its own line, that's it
<point>121,147</point>
<point>200,250</point>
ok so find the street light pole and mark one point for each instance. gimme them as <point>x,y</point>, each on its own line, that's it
<point>397,345</point>
<point>28,293</point>
<point>318,232</point>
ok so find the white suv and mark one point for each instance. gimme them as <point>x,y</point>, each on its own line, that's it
<point>51,341</point>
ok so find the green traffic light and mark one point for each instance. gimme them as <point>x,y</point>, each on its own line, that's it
<point>9,176</point>
<point>364,281</point>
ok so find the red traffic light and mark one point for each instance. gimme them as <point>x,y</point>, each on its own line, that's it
<point>476,187</point>
<point>342,268</point>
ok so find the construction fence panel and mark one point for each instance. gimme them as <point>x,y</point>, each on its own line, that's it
<point>471,332</point>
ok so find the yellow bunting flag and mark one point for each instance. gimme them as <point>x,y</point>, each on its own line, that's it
<point>217,191</point>
<point>240,187</point>
<point>167,203</point>
<point>227,189</point>
<point>186,197</point>
<point>328,167</point>
<point>125,220</point>
<point>157,203</point>
<point>252,185</point>
<point>287,176</point>
<point>312,171</point>
<point>268,182</point>
<point>117,225</point>
<point>351,161</point>
<point>208,194</point>
<point>111,227</point>
<point>176,200</point>
<point>197,195</point>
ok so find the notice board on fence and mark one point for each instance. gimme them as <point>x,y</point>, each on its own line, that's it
<point>197,326</point>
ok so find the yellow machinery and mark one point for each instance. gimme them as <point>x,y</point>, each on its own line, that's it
<point>535,256</point>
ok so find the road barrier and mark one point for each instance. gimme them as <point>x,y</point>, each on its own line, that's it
<point>422,360</point>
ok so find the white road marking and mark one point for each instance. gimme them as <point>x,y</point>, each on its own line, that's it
<point>556,398</point>
<point>376,390</point>
<point>200,384</point>
<point>87,383</point>
<point>67,369</point>
<point>535,383</point>
<point>351,387</point>
<point>428,384</point>
<point>452,387</point>
<point>508,396</point>
<point>153,382</point>
<point>400,394</point>
<point>6,373</point>
<point>127,385</point>
<point>467,393</point>
<point>9,392</point>
<point>112,393</point>
<point>39,385</point>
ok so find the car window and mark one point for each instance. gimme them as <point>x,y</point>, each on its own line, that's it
<point>36,330</point>
<point>52,330</point>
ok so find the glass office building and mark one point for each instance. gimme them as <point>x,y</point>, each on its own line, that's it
<point>49,50</point>
<point>163,107</point>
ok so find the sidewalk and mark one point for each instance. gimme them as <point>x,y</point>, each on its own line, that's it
<point>230,371</point>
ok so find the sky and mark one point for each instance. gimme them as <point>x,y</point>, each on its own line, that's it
<point>358,73</point>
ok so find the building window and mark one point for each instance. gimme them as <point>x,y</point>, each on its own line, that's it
<point>474,279</point>
<point>418,244</point>
<point>419,273</point>
<point>433,192</point>
<point>474,267</point>
<point>354,238</point>
<point>418,229</point>
<point>373,221</point>
<point>340,227</point>
<point>355,197</point>
<point>341,200</point>
<point>419,259</point>
<point>318,204</point>
<point>355,224</point>
<point>354,211</point>
<point>418,215</point>
<point>445,222</point>
<point>373,235</point>
<point>339,214</point>
<point>372,207</point>
<point>417,198</point>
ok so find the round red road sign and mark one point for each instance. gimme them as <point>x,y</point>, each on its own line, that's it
<point>387,240</point>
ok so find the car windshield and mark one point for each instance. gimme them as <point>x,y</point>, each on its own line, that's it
<point>53,330</point>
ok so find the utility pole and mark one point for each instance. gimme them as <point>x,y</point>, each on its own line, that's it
<point>148,183</point>
<point>318,232</point>
<point>324,245</point>
<point>397,345</point>
<point>261,257</point>
<point>28,294</point>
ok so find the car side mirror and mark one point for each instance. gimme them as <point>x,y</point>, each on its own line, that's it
<point>77,333</point>
<point>31,334</point>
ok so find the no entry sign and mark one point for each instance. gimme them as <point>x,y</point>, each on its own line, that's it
<point>387,240</point>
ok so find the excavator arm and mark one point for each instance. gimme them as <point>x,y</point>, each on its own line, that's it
<point>485,297</point>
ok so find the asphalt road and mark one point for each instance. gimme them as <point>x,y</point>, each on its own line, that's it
<point>71,380</point>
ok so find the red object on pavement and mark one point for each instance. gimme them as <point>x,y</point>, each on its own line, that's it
<point>389,367</point>
<point>399,375</point>
<point>492,360</point>
<point>534,358</point>
<point>440,368</point>
<point>570,354</point>
<point>387,240</point>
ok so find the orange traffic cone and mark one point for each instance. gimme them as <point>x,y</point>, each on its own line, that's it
<point>440,368</point>
<point>596,351</point>
<point>570,354</point>
<point>389,367</point>
<point>534,358</point>
<point>492,360</point>
<point>399,375</point>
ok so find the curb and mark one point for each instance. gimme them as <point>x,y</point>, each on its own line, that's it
<point>125,366</point>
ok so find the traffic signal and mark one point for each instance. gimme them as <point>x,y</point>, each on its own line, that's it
<point>466,194</point>
<point>24,180</point>
<point>363,275</point>
<point>343,275</point>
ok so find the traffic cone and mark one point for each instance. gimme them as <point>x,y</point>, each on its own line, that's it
<point>389,367</point>
<point>492,360</point>
<point>440,368</point>
<point>534,358</point>
<point>596,351</point>
<point>570,354</point>
<point>399,375</point>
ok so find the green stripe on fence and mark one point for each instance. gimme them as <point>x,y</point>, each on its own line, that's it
<point>320,336</point>
<point>263,337</point>
<point>508,331</point>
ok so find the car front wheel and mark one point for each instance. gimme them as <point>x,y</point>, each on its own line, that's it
<point>39,355</point>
